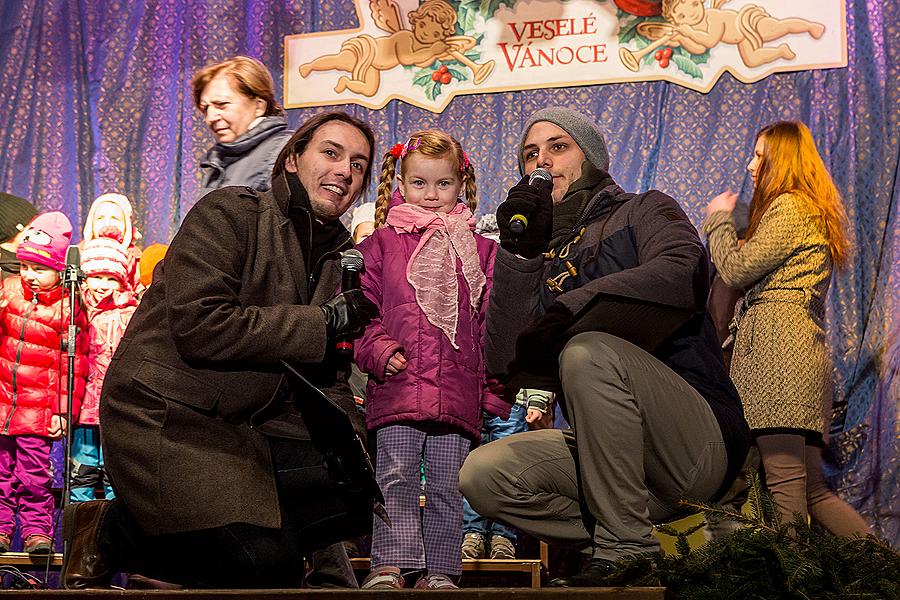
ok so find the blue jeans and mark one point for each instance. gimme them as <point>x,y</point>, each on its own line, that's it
<point>494,428</point>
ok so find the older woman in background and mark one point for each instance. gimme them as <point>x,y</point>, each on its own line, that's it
<point>237,100</point>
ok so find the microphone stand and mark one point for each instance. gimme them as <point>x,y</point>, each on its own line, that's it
<point>73,276</point>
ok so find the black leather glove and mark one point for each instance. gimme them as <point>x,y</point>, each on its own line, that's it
<point>348,313</point>
<point>535,203</point>
<point>538,347</point>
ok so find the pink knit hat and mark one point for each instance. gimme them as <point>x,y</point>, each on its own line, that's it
<point>46,240</point>
<point>105,256</point>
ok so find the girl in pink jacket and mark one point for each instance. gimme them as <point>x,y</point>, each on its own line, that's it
<point>430,276</point>
<point>110,302</point>
<point>34,316</point>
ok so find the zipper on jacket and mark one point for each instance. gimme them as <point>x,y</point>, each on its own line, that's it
<point>15,371</point>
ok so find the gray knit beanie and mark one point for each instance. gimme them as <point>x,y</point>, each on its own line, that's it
<point>580,127</point>
<point>15,215</point>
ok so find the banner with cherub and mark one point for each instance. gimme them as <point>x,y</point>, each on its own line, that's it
<point>426,53</point>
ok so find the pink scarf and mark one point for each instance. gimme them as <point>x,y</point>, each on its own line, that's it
<point>432,267</point>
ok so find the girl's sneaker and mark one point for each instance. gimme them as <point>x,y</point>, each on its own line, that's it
<point>383,578</point>
<point>5,542</point>
<point>37,544</point>
<point>435,581</point>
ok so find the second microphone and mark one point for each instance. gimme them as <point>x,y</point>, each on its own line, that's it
<point>518,223</point>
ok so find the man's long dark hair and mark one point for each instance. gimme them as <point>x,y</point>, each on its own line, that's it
<point>298,142</point>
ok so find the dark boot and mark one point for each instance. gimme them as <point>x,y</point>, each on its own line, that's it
<point>331,568</point>
<point>594,574</point>
<point>83,566</point>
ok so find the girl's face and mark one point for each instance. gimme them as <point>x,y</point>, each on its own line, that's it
<point>758,153</point>
<point>39,278</point>
<point>431,183</point>
<point>103,283</point>
<point>109,216</point>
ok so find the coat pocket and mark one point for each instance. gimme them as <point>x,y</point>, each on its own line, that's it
<point>178,386</point>
<point>746,333</point>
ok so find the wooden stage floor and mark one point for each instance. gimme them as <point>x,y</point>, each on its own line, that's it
<point>461,594</point>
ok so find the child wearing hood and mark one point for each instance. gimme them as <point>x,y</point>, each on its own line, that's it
<point>110,216</point>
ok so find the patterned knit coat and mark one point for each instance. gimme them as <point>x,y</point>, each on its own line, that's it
<point>781,366</point>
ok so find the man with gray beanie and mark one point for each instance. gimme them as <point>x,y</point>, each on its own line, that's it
<point>601,298</point>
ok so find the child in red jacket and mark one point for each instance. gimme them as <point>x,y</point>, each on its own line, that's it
<point>34,314</point>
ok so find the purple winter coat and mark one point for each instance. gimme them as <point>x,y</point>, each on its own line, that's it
<point>440,384</point>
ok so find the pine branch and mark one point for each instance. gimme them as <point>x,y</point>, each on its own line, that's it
<point>771,559</point>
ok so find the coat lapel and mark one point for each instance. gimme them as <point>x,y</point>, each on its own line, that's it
<point>289,242</point>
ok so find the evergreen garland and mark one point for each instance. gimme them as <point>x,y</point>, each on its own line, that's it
<point>767,559</point>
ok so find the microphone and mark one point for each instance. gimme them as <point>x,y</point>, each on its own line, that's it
<point>351,266</point>
<point>518,223</point>
<point>73,273</point>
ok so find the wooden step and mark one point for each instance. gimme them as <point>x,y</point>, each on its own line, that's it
<point>531,566</point>
<point>461,594</point>
<point>21,559</point>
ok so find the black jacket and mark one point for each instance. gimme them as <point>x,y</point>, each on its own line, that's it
<point>633,266</point>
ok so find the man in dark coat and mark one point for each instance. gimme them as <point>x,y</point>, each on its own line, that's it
<point>602,299</point>
<point>218,483</point>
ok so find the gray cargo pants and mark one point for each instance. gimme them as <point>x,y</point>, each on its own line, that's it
<point>643,439</point>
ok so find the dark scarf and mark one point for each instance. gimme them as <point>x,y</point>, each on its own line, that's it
<point>317,238</point>
<point>567,210</point>
<point>223,154</point>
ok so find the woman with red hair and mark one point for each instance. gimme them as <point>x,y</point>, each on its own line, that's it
<point>781,365</point>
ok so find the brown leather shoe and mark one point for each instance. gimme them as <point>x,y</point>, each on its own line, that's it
<point>83,567</point>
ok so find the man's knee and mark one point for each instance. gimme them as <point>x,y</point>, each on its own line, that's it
<point>590,354</point>
<point>590,348</point>
<point>476,481</point>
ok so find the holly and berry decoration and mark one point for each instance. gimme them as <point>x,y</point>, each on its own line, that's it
<point>469,13</point>
<point>632,13</point>
<point>662,56</point>
<point>442,74</point>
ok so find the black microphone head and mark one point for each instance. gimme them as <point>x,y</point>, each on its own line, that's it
<point>73,256</point>
<point>542,175</point>
<point>352,260</point>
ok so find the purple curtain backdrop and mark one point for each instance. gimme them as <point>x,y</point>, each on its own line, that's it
<point>95,97</point>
